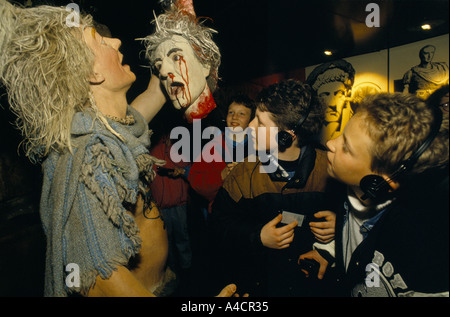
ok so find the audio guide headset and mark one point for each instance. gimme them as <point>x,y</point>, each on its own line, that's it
<point>376,187</point>
<point>285,139</point>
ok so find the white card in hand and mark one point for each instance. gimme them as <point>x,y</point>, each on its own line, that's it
<point>289,217</point>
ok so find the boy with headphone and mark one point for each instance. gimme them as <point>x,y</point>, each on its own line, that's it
<point>249,222</point>
<point>392,227</point>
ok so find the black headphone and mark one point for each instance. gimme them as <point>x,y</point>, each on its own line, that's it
<point>285,139</point>
<point>376,187</point>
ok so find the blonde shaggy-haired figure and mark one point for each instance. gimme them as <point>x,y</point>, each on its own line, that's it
<point>60,82</point>
<point>43,76</point>
<point>68,87</point>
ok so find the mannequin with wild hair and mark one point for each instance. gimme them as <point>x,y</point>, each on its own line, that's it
<point>68,87</point>
<point>43,64</point>
<point>47,67</point>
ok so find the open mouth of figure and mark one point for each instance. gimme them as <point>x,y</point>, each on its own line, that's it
<point>124,63</point>
<point>176,89</point>
<point>122,59</point>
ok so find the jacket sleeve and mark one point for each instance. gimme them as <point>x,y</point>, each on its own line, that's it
<point>231,223</point>
<point>205,178</point>
<point>327,251</point>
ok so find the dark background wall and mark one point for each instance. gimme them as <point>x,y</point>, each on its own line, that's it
<point>22,243</point>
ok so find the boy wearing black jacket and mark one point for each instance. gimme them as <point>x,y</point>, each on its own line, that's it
<point>392,222</point>
<point>247,230</point>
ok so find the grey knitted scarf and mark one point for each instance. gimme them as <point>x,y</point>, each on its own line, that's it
<point>83,196</point>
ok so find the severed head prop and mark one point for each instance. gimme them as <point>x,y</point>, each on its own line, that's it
<point>186,59</point>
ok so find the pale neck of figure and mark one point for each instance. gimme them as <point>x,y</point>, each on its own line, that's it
<point>201,107</point>
<point>111,103</point>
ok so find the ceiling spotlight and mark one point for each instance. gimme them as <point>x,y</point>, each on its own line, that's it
<point>426,27</point>
<point>328,53</point>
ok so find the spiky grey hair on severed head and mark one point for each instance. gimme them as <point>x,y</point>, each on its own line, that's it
<point>176,21</point>
<point>45,68</point>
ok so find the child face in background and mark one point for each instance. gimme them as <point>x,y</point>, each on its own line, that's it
<point>238,116</point>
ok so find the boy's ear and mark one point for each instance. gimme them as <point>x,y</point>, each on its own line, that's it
<point>392,182</point>
<point>291,132</point>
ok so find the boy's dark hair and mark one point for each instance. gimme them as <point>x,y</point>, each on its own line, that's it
<point>289,101</point>
<point>245,101</point>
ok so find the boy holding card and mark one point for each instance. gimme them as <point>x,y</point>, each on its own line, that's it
<point>246,220</point>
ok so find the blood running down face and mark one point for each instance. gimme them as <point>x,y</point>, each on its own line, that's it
<point>184,77</point>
